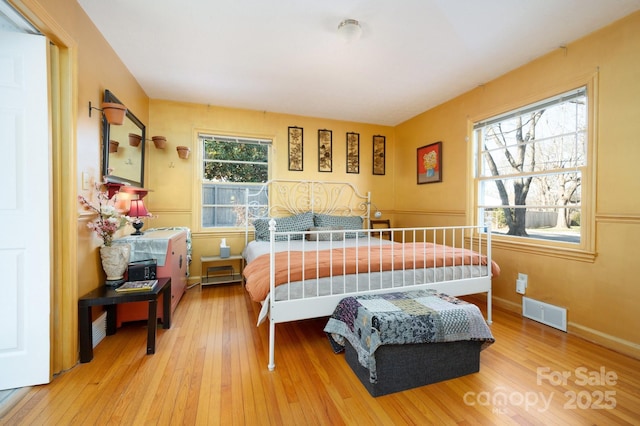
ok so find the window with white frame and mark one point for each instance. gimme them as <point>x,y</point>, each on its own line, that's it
<point>529,168</point>
<point>230,166</point>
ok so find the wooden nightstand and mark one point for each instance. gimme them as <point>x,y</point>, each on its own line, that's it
<point>381,224</point>
<point>221,270</point>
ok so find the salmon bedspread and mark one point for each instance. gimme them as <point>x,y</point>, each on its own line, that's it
<point>298,265</point>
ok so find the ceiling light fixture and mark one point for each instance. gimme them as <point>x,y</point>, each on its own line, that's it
<point>350,30</point>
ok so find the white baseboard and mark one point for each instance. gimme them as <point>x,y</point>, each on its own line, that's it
<point>608,341</point>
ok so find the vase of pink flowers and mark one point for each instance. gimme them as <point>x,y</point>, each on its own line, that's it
<point>115,257</point>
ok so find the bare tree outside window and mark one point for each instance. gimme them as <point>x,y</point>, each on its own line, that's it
<point>530,166</point>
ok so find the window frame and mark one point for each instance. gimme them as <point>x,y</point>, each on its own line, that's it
<point>198,172</point>
<point>583,251</point>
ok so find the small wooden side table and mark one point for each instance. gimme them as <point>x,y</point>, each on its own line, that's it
<point>380,224</point>
<point>110,298</point>
<point>221,269</point>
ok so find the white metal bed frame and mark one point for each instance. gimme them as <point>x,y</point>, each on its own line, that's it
<point>288,197</point>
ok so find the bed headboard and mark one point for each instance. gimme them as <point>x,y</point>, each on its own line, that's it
<point>279,198</point>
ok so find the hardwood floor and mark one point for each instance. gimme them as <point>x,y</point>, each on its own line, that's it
<point>210,368</point>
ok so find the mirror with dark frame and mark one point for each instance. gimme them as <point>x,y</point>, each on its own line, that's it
<point>123,148</point>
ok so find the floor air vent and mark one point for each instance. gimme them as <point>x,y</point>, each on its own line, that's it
<point>551,315</point>
<point>99,329</point>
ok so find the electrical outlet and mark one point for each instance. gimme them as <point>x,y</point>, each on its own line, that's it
<point>520,286</point>
<point>524,278</point>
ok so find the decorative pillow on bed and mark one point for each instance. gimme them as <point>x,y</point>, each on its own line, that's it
<point>297,223</point>
<point>325,236</point>
<point>342,222</point>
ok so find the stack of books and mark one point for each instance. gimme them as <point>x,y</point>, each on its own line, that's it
<point>145,285</point>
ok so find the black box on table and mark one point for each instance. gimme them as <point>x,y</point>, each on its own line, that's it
<point>142,270</point>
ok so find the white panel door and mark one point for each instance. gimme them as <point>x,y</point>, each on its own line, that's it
<point>25,211</point>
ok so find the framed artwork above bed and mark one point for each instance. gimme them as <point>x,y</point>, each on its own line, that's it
<point>353,152</point>
<point>430,163</point>
<point>325,159</point>
<point>296,157</point>
<point>378,154</point>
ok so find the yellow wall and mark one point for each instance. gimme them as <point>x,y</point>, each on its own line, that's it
<point>98,68</point>
<point>601,296</point>
<point>175,184</point>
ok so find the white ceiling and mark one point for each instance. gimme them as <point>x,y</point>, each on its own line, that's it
<point>285,56</point>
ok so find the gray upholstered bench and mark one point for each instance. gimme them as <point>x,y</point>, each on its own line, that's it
<point>402,340</point>
<point>402,367</point>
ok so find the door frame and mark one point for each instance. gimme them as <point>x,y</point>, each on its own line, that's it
<point>64,214</point>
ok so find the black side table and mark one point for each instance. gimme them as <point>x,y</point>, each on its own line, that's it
<point>110,298</point>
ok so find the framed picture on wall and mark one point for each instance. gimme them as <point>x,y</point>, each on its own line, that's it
<point>353,152</point>
<point>296,148</point>
<point>430,163</point>
<point>378,154</point>
<point>324,150</point>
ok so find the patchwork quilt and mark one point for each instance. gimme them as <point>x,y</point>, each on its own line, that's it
<point>413,317</point>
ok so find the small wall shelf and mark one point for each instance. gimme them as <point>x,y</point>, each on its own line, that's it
<point>113,188</point>
<point>134,190</point>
